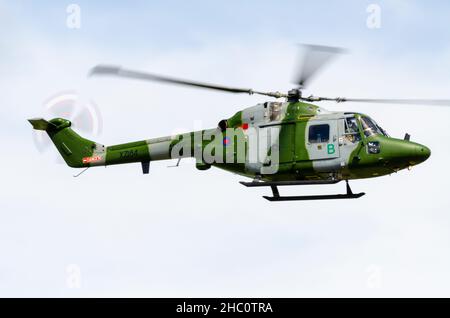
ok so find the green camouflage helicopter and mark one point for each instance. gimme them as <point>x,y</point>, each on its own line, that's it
<point>274,143</point>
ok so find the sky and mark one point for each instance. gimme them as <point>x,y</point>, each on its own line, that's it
<point>179,232</point>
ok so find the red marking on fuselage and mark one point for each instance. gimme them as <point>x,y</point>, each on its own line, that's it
<point>91,159</point>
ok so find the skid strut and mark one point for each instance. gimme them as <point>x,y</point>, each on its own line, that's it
<point>277,197</point>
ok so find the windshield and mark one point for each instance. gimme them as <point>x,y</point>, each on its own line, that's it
<point>370,127</point>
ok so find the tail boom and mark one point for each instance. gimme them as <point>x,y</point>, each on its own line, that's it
<point>79,152</point>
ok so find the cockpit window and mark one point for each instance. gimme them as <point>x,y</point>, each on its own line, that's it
<point>352,130</point>
<point>370,127</point>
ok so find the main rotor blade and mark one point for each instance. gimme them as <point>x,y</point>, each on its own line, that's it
<point>109,70</point>
<point>432,102</point>
<point>314,58</point>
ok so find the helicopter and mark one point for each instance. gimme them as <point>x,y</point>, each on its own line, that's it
<point>275,143</point>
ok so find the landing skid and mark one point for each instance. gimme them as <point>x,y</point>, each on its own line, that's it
<point>277,197</point>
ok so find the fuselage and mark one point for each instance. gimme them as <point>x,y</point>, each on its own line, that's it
<point>270,141</point>
<point>313,143</point>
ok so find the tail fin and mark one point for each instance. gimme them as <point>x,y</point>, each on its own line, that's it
<point>77,151</point>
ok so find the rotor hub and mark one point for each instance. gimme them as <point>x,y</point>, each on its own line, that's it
<point>294,95</point>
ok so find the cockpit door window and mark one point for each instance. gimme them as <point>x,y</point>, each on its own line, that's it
<point>352,130</point>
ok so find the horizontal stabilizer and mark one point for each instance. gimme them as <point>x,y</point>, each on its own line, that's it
<point>40,123</point>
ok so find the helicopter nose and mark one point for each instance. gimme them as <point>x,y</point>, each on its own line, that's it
<point>422,152</point>
<point>407,153</point>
